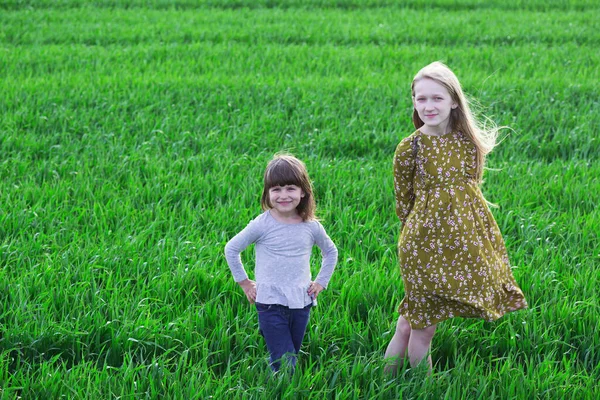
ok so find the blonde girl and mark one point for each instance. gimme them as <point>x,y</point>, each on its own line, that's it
<point>452,256</point>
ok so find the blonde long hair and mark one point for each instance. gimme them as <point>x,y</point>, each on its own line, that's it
<point>483,135</point>
<point>285,169</point>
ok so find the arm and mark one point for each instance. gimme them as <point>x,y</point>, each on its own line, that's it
<point>404,171</point>
<point>250,234</point>
<point>329,260</point>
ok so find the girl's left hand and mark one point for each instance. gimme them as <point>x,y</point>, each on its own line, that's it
<point>314,289</point>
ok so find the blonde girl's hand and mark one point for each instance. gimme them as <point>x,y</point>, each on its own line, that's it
<point>249,288</point>
<point>314,289</point>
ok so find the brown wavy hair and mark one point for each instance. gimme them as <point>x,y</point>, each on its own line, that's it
<point>285,169</point>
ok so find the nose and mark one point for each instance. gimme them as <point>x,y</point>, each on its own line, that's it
<point>429,106</point>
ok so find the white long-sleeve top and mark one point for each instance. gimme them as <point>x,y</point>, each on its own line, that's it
<point>282,271</point>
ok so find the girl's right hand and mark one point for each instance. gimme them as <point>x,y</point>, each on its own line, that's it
<point>249,288</point>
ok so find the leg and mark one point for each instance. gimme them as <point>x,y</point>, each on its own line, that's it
<point>419,346</point>
<point>396,350</point>
<point>273,321</point>
<point>298,324</point>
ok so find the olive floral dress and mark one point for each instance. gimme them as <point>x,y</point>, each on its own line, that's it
<point>452,256</point>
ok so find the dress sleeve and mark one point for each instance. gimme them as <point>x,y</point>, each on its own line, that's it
<point>404,169</point>
<point>329,254</point>
<point>250,234</point>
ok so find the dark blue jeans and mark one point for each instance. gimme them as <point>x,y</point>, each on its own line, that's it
<point>283,329</point>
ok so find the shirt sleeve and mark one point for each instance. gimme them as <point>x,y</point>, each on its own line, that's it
<point>404,166</point>
<point>250,234</point>
<point>329,255</point>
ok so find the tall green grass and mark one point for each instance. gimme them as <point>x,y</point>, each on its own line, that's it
<point>134,136</point>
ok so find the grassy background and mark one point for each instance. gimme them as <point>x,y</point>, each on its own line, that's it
<point>134,135</point>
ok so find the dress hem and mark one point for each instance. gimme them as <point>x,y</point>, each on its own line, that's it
<point>468,316</point>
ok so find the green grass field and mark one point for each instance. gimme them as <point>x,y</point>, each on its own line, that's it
<point>133,138</point>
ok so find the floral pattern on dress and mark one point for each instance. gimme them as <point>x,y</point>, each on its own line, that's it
<point>452,255</point>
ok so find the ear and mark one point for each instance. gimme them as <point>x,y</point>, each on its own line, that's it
<point>454,106</point>
<point>303,194</point>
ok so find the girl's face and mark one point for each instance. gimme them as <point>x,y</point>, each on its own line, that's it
<point>433,104</point>
<point>285,199</point>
